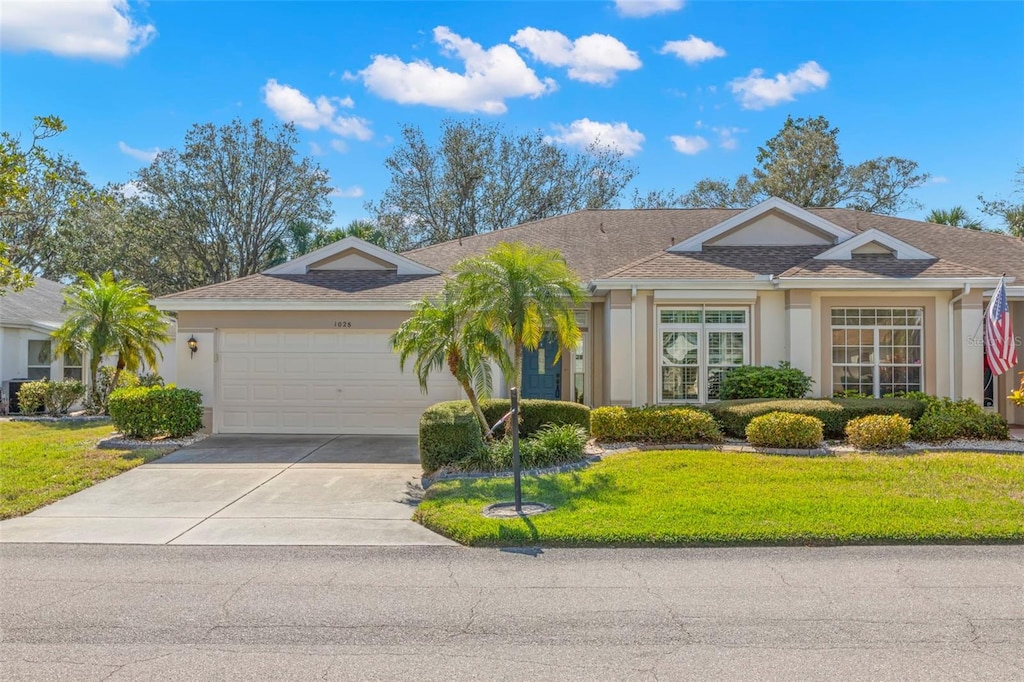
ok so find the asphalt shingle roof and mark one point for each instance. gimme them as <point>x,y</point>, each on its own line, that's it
<point>631,243</point>
<point>41,303</point>
<point>322,285</point>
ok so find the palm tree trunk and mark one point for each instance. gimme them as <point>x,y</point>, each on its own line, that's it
<point>94,389</point>
<point>113,381</point>
<point>517,367</point>
<point>477,410</point>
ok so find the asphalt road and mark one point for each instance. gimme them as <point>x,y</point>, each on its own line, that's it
<point>77,612</point>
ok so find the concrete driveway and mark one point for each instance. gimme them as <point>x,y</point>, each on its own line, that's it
<point>248,490</point>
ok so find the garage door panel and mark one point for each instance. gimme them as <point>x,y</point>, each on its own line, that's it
<point>319,381</point>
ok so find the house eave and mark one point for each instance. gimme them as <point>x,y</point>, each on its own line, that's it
<point>884,282</point>
<point>178,305</point>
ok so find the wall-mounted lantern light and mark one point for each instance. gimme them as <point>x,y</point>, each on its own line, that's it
<point>193,345</point>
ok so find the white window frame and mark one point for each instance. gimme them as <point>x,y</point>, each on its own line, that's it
<point>35,365</point>
<point>703,329</point>
<point>80,366</point>
<point>876,355</point>
<point>585,343</point>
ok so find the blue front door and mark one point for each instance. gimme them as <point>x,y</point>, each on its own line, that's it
<point>542,375</point>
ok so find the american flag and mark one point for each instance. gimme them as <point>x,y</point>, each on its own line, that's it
<point>1000,344</point>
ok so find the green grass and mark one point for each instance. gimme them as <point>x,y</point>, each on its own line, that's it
<point>41,462</point>
<point>712,498</point>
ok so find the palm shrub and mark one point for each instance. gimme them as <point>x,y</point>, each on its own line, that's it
<point>519,292</point>
<point>884,431</point>
<point>443,331</point>
<point>552,445</point>
<point>110,317</point>
<point>785,430</point>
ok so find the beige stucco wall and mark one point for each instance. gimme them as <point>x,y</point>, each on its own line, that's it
<point>791,325</point>
<point>771,229</point>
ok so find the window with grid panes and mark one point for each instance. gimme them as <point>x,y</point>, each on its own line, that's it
<point>877,351</point>
<point>698,347</point>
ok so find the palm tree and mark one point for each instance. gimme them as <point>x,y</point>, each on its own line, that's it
<point>442,332</point>
<point>956,216</point>
<point>107,317</point>
<point>520,292</point>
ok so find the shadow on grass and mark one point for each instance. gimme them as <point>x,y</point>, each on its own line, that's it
<point>70,425</point>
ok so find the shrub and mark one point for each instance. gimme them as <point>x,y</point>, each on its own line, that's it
<point>141,412</point>
<point>654,424</point>
<point>533,414</point>
<point>552,445</point>
<point>751,381</point>
<point>734,415</point>
<point>449,432</point>
<point>149,379</point>
<point>878,431</point>
<point>32,397</point>
<point>105,386</point>
<point>946,419</point>
<point>55,397</point>
<point>785,430</point>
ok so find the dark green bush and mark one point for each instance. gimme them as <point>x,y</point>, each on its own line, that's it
<point>785,430</point>
<point>734,415</point>
<point>552,445</point>
<point>54,397</point>
<point>449,432</point>
<point>884,431</point>
<point>141,412</point>
<point>654,425</point>
<point>751,381</point>
<point>946,419</point>
<point>533,414</point>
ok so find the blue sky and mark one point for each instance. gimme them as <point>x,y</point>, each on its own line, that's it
<point>688,89</point>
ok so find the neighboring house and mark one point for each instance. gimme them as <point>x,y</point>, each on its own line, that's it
<point>859,301</point>
<point>27,318</point>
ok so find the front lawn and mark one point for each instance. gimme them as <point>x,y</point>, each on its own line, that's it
<point>41,462</point>
<point>707,497</point>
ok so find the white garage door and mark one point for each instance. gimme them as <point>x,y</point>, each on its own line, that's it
<point>312,381</point>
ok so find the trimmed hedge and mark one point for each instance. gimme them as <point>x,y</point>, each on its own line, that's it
<point>533,413</point>
<point>654,425</point>
<point>734,415</point>
<point>449,432</point>
<point>883,431</point>
<point>785,430</point>
<point>147,412</point>
<point>946,419</point>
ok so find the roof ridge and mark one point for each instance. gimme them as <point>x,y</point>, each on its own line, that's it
<point>489,232</point>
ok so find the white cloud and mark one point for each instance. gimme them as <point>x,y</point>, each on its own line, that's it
<point>689,145</point>
<point>315,149</point>
<point>146,155</point>
<point>289,104</point>
<point>95,29</point>
<point>491,76</point>
<point>646,8</point>
<point>353,192</point>
<point>727,137</point>
<point>339,146</point>
<point>693,50</point>
<point>583,133</point>
<point>756,92</point>
<point>595,58</point>
<point>939,180</point>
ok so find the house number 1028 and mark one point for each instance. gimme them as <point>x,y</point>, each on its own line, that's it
<point>343,324</point>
